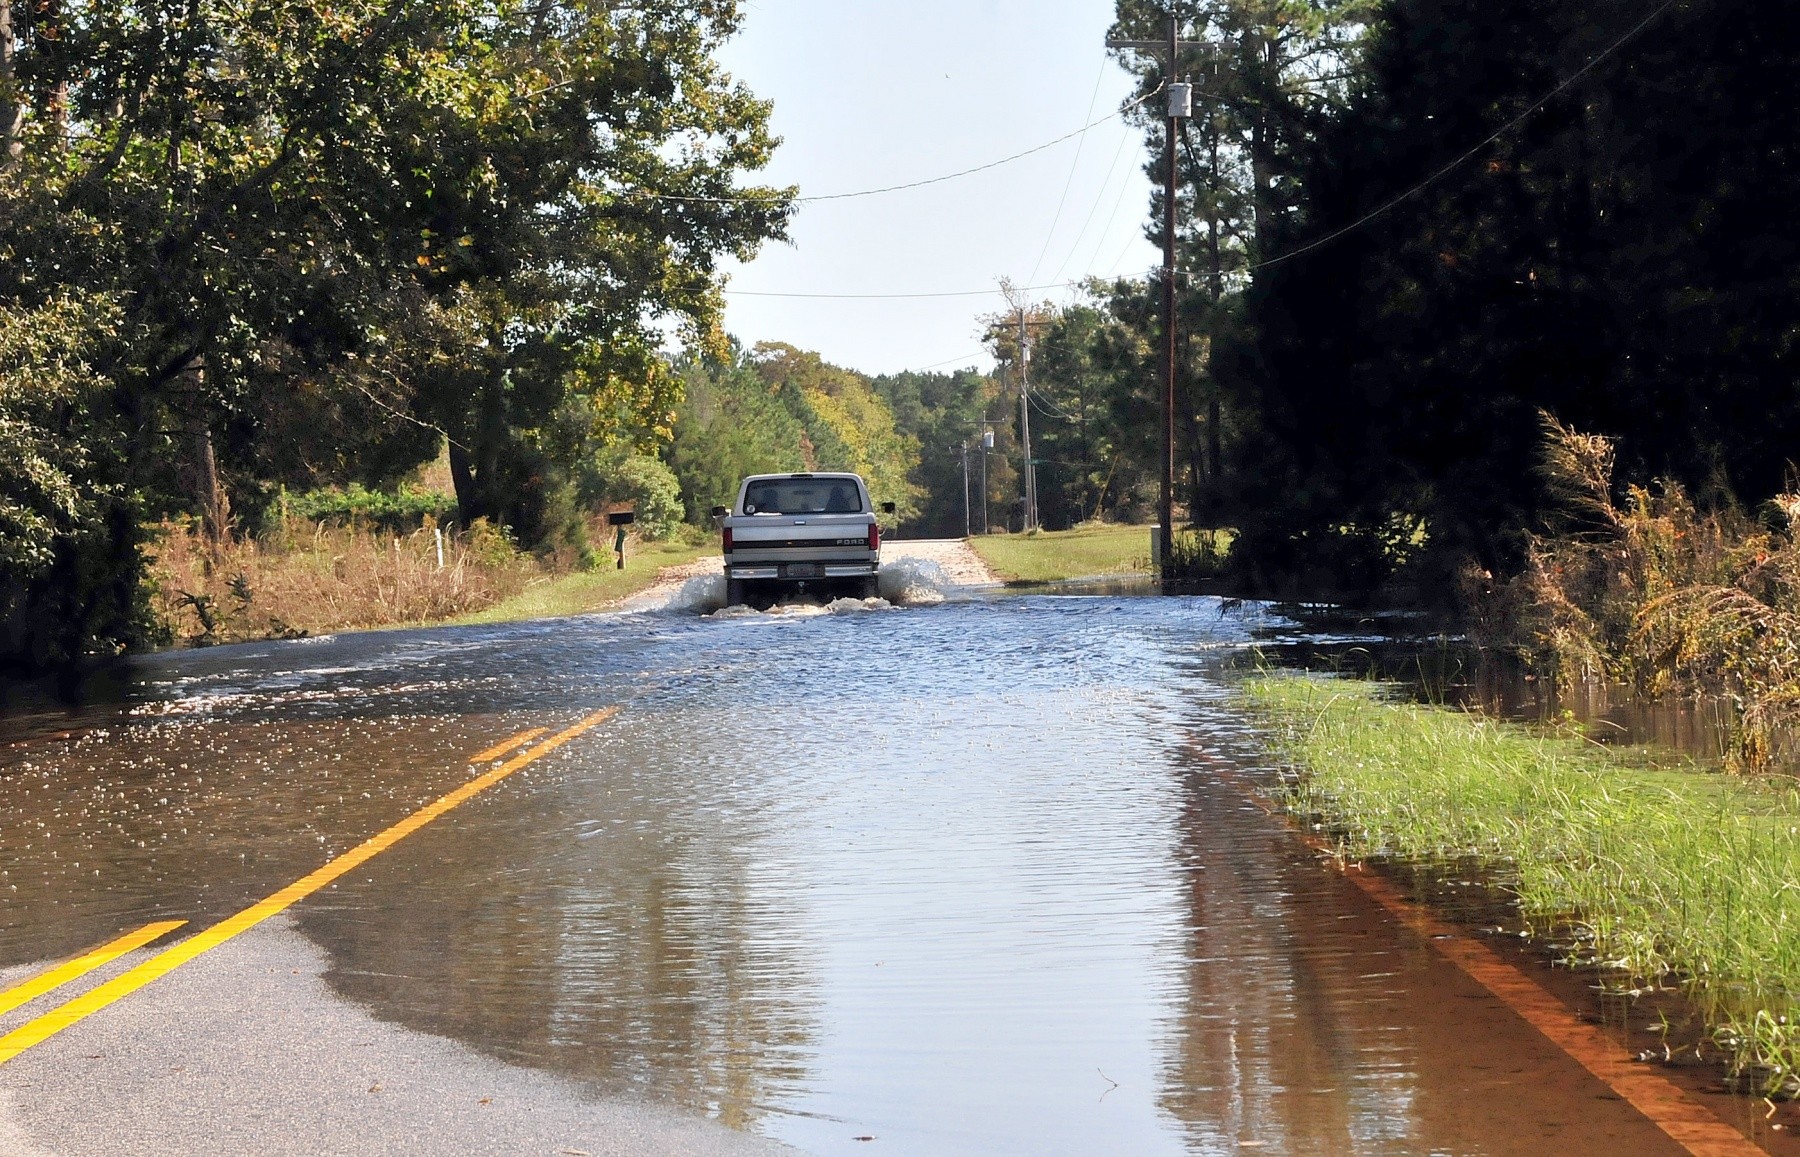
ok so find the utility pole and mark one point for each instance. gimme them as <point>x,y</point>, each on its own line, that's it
<point>1025,422</point>
<point>987,443</point>
<point>1180,105</point>
<point>1166,508</point>
<point>967,531</point>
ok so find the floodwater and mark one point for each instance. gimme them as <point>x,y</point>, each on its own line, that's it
<point>970,878</point>
<point>1696,730</point>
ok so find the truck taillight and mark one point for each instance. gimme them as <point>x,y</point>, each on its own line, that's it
<point>727,540</point>
<point>874,536</point>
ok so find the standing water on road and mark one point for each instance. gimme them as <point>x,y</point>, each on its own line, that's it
<point>971,878</point>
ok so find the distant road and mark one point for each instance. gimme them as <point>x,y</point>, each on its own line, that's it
<point>960,562</point>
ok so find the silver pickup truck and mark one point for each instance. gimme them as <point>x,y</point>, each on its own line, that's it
<point>800,533</point>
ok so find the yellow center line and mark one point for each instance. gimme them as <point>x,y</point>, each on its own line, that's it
<point>48,1025</point>
<point>80,966</point>
<point>499,749</point>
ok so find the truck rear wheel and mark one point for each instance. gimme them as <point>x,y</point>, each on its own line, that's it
<point>871,587</point>
<point>734,592</point>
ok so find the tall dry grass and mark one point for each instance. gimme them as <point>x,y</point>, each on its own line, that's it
<point>1672,600</point>
<point>305,579</point>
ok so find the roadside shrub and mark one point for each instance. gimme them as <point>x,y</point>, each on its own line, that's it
<point>1653,592</point>
<point>645,484</point>
<point>1197,555</point>
<point>404,508</point>
<point>69,561</point>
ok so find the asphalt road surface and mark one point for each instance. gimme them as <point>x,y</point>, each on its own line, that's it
<point>984,876</point>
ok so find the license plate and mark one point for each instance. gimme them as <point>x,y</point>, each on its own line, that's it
<point>803,570</point>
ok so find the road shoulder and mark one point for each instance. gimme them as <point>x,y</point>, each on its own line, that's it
<point>250,1049</point>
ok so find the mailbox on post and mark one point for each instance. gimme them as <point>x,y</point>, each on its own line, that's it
<point>619,520</point>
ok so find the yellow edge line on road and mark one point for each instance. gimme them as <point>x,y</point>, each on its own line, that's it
<point>499,749</point>
<point>1685,1121</point>
<point>46,1026</point>
<point>80,966</point>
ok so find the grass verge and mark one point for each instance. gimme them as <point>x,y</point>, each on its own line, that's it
<point>1671,873</point>
<point>1053,555</point>
<point>584,591</point>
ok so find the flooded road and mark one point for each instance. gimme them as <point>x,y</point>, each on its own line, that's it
<point>980,877</point>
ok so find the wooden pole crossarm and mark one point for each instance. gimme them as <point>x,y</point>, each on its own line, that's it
<point>1161,47</point>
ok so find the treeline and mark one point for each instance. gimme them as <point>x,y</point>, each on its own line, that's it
<point>1412,227</point>
<point>776,408</point>
<point>270,246</point>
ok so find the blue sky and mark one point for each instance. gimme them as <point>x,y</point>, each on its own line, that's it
<point>878,92</point>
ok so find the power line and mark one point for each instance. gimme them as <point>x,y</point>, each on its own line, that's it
<point>948,361</point>
<point>1099,200</point>
<point>1510,125</point>
<point>1074,165</point>
<point>776,198</point>
<point>893,296</point>
<point>1046,406</point>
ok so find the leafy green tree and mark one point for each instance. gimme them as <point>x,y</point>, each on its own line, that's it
<point>433,217</point>
<point>1612,255</point>
<point>1095,405</point>
<point>847,425</point>
<point>643,483</point>
<point>65,590</point>
<point>944,413</point>
<point>730,424</point>
<point>1277,71</point>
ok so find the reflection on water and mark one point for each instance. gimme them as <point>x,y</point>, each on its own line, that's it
<point>979,878</point>
<point>1308,1023</point>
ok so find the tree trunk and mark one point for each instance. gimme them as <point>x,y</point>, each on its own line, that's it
<point>1197,482</point>
<point>208,489</point>
<point>462,478</point>
<point>1215,490</point>
<point>51,37</point>
<point>475,465</point>
<point>12,105</point>
<point>215,504</point>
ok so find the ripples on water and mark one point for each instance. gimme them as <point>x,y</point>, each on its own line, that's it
<point>974,878</point>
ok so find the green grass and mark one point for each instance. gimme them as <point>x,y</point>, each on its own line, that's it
<point>1052,555</point>
<point>1673,872</point>
<point>574,594</point>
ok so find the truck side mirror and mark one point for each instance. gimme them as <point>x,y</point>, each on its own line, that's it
<point>887,508</point>
<point>720,511</point>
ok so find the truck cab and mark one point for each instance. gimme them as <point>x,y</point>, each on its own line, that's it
<point>799,533</point>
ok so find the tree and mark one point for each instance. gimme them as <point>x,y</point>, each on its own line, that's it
<point>846,425</point>
<point>730,424</point>
<point>1277,72</point>
<point>450,217</point>
<point>1618,254</point>
<point>64,589</point>
<point>945,413</point>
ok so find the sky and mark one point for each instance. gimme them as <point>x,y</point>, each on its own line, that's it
<point>870,93</point>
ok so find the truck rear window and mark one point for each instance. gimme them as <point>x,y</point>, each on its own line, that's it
<point>803,496</point>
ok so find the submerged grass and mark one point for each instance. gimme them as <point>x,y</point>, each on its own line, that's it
<point>1671,872</point>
